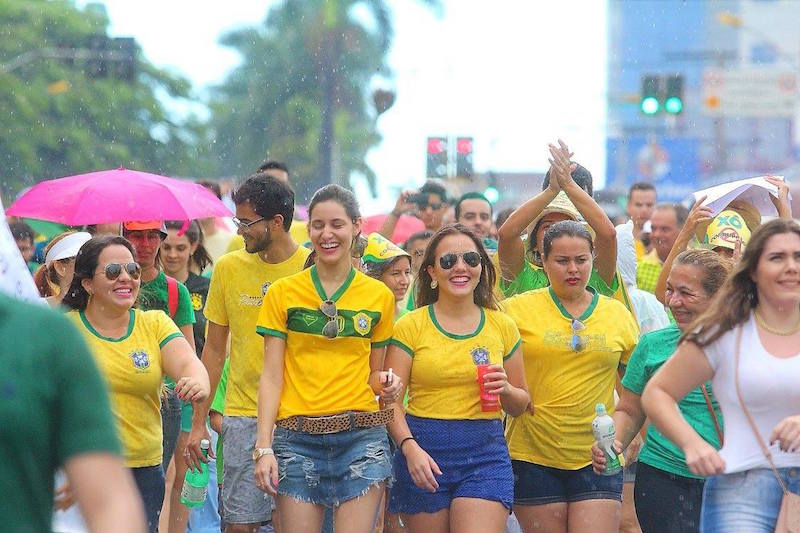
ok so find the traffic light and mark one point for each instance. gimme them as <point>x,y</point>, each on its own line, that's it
<point>651,91</point>
<point>673,97</point>
<point>437,157</point>
<point>464,157</point>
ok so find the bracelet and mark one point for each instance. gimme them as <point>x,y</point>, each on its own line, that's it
<point>400,446</point>
<point>396,214</point>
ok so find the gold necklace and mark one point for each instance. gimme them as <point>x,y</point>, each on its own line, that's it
<point>783,333</point>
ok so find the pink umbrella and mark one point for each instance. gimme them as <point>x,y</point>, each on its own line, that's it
<point>117,196</point>
<point>404,228</point>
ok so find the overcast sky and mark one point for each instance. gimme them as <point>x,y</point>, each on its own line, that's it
<point>513,74</point>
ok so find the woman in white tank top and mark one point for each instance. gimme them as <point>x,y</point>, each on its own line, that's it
<point>757,314</point>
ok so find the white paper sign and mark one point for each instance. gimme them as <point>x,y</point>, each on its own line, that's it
<point>15,278</point>
<point>756,190</point>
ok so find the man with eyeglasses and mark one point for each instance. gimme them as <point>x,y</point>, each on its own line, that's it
<point>264,211</point>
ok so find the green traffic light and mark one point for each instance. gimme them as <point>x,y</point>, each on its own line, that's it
<point>650,105</point>
<point>492,194</point>
<point>673,105</point>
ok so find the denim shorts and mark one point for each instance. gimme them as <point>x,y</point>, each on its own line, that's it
<point>538,485</point>
<point>473,458</point>
<point>332,468</point>
<point>745,501</point>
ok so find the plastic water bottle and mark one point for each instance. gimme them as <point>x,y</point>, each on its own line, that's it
<point>195,483</point>
<point>604,434</point>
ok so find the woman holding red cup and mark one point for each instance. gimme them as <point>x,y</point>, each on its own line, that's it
<point>452,466</point>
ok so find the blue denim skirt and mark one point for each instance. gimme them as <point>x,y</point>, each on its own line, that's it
<point>473,457</point>
<point>333,468</point>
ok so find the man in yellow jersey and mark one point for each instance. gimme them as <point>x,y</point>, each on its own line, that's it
<point>641,202</point>
<point>264,210</point>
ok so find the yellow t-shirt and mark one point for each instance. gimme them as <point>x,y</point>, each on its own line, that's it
<point>564,384</point>
<point>238,284</point>
<point>131,366</point>
<point>323,376</point>
<point>298,231</point>
<point>443,376</point>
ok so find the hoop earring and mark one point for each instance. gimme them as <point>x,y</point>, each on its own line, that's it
<point>434,284</point>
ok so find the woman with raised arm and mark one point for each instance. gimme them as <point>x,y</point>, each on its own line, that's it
<point>563,199</point>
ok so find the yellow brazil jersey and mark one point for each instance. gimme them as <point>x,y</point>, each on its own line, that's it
<point>443,382</point>
<point>131,366</point>
<point>325,376</point>
<point>565,384</point>
<point>238,285</point>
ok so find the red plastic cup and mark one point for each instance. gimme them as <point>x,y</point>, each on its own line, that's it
<point>489,401</point>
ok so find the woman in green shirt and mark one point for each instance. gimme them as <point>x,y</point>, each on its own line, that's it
<point>667,495</point>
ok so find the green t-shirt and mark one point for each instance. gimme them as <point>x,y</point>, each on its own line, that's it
<point>653,350</point>
<point>53,406</point>
<point>153,295</point>
<point>218,405</point>
<point>531,278</point>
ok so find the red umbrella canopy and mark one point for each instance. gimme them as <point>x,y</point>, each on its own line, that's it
<point>116,196</point>
<point>406,225</point>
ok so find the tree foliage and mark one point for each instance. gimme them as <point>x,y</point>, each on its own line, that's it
<point>306,54</point>
<point>57,120</point>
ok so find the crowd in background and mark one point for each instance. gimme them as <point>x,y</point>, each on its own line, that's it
<point>445,380</point>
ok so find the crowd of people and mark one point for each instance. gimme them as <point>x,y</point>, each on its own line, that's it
<point>448,382</point>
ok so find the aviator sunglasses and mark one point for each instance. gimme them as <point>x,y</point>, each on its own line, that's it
<point>331,328</point>
<point>577,343</point>
<point>449,260</point>
<point>114,270</point>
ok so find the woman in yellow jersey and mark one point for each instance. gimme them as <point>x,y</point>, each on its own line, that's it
<point>574,344</point>
<point>452,466</point>
<point>134,349</point>
<point>325,334</point>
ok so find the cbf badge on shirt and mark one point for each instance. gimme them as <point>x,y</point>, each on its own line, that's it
<point>362,323</point>
<point>141,360</point>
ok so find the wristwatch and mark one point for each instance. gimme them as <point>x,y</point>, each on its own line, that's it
<point>258,453</point>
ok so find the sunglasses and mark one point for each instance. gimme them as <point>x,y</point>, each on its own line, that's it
<point>448,261</point>
<point>577,343</point>
<point>114,270</point>
<point>331,328</point>
<point>435,206</point>
<point>246,225</point>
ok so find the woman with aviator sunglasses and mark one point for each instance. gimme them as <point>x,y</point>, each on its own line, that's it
<point>575,342</point>
<point>134,349</point>
<point>325,330</point>
<point>452,466</point>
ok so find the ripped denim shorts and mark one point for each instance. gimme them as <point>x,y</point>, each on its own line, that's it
<point>332,468</point>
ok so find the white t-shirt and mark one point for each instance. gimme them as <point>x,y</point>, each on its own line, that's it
<point>770,388</point>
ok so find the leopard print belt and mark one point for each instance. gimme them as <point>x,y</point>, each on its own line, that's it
<point>320,425</point>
